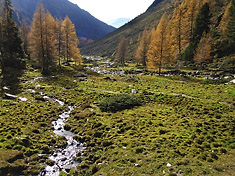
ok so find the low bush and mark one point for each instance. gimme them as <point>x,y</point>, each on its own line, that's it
<point>119,102</point>
<point>216,81</point>
<point>228,65</point>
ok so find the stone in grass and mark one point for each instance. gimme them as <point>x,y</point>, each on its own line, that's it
<point>168,165</point>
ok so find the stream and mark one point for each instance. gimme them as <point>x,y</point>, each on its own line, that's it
<point>63,158</point>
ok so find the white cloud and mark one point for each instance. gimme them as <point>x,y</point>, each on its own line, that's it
<point>109,10</point>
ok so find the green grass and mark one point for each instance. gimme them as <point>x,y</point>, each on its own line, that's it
<point>181,122</point>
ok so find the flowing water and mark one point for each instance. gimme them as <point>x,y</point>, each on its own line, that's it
<point>64,158</point>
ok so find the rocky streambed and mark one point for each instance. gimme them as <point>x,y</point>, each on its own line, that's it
<point>63,158</point>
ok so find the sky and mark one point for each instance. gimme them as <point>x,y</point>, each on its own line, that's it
<point>109,11</point>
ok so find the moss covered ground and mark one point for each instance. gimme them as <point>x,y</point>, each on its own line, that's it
<point>183,127</point>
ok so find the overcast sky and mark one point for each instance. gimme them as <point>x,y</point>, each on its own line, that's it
<point>110,10</point>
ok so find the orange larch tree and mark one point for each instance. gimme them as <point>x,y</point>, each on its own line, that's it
<point>42,39</point>
<point>158,51</point>
<point>121,51</point>
<point>203,51</point>
<point>141,52</point>
<point>70,49</point>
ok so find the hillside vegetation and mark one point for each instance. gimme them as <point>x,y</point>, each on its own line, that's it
<point>175,34</point>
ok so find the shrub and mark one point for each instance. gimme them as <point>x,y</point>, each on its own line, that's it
<point>228,65</point>
<point>216,81</point>
<point>119,102</point>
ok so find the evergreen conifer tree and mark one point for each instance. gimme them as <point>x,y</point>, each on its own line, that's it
<point>201,26</point>
<point>11,51</point>
<point>230,32</point>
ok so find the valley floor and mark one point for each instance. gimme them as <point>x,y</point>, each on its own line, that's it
<point>185,126</point>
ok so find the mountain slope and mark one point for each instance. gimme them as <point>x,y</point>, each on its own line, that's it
<point>106,46</point>
<point>86,25</point>
<point>154,4</point>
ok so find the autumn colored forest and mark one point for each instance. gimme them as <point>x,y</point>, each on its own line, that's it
<point>188,36</point>
<point>152,100</point>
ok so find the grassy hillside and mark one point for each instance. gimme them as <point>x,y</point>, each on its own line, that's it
<point>106,46</point>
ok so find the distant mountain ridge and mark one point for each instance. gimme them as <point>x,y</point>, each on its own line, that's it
<point>86,25</point>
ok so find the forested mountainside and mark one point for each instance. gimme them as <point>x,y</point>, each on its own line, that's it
<point>175,33</point>
<point>86,25</point>
<point>106,46</point>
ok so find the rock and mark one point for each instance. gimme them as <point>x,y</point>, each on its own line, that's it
<point>66,63</point>
<point>232,82</point>
<point>10,97</point>
<point>134,91</point>
<point>80,75</point>
<point>168,165</point>
<point>5,88</point>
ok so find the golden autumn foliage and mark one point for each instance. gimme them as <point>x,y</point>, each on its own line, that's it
<point>24,30</point>
<point>51,40</point>
<point>70,49</point>
<point>203,51</point>
<point>141,52</point>
<point>42,39</point>
<point>172,37</point>
<point>179,37</point>
<point>158,52</point>
<point>121,51</point>
<point>225,19</point>
<point>59,39</point>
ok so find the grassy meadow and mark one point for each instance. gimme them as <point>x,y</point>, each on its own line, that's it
<point>184,126</point>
